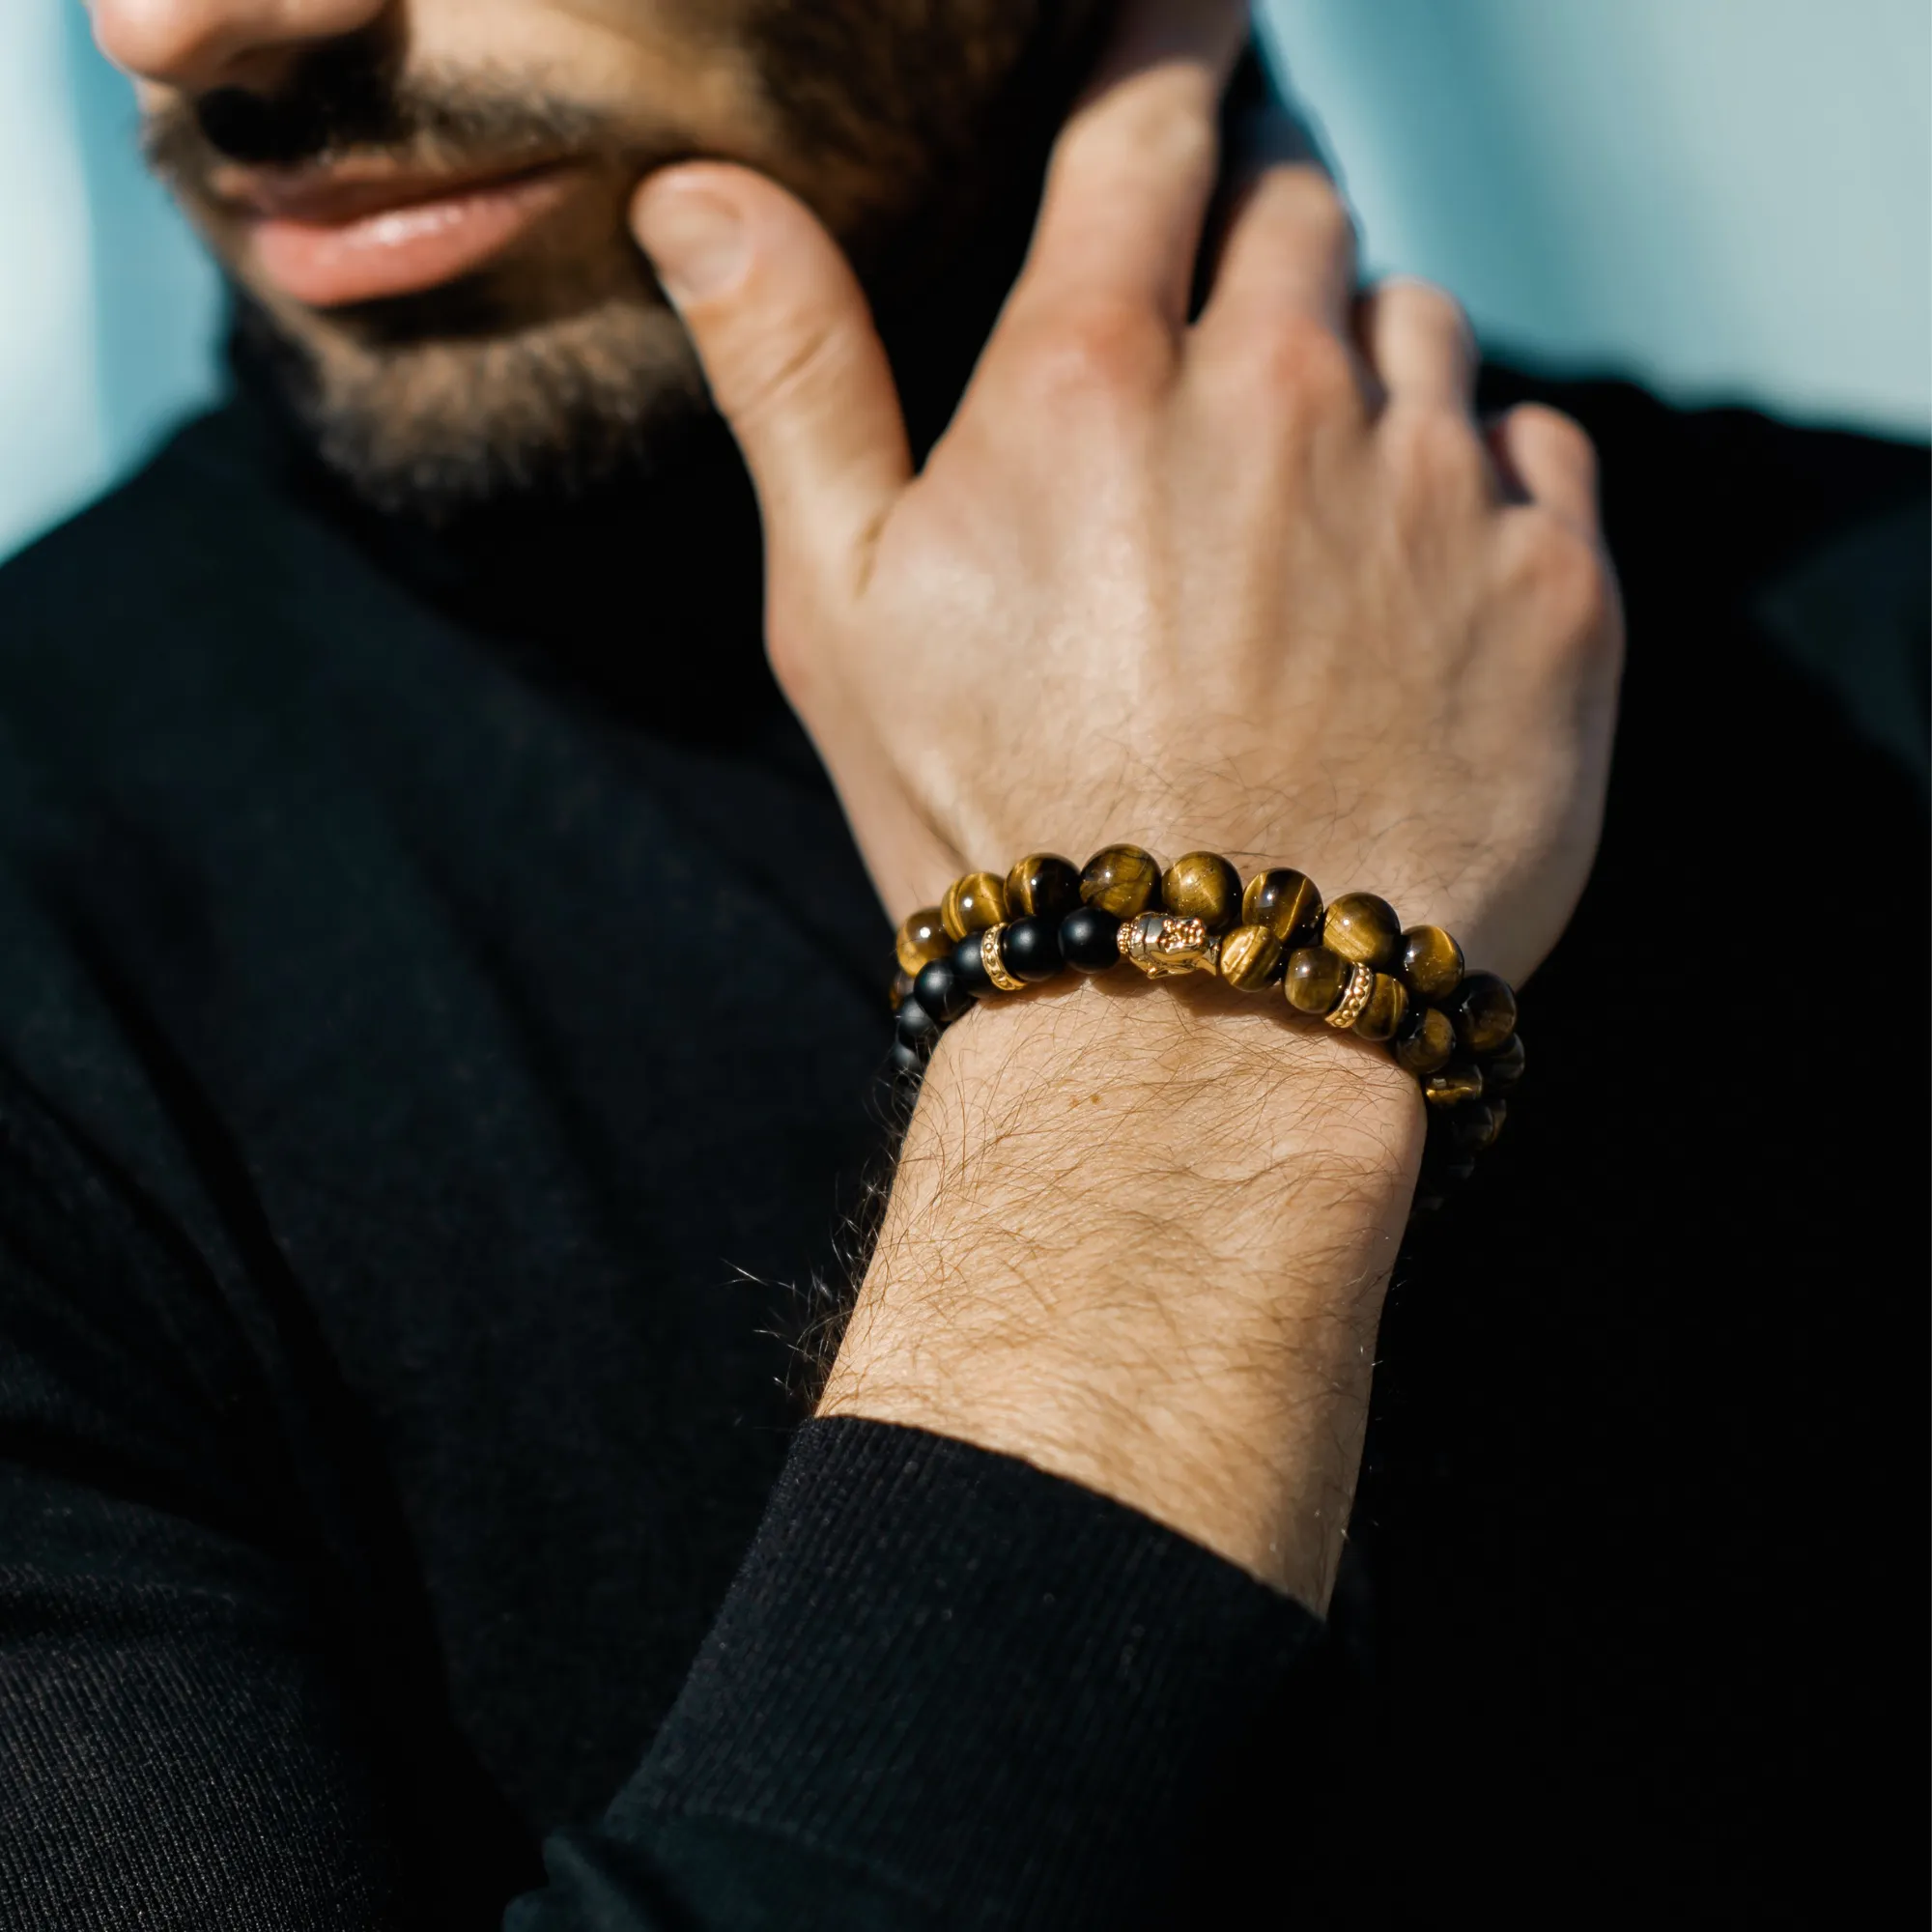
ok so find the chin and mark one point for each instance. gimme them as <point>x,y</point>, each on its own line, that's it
<point>442,403</point>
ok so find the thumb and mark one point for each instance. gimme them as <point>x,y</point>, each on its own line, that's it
<point>794,362</point>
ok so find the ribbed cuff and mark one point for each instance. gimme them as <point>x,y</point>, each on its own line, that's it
<point>994,1688</point>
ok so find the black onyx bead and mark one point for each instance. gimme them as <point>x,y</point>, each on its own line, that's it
<point>938,990</point>
<point>1502,1071</point>
<point>1482,1012</point>
<point>900,990</point>
<point>906,1059</point>
<point>1029,950</point>
<point>969,969</point>
<point>916,1028</point>
<point>1089,939</point>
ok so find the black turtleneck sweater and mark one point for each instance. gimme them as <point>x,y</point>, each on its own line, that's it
<point>441,1029</point>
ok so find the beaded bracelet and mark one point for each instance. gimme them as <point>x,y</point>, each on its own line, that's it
<point>1351,964</point>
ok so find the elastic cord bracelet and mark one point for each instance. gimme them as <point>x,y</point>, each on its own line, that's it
<point>1352,965</point>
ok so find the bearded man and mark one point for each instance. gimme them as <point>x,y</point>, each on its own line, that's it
<point>704,473</point>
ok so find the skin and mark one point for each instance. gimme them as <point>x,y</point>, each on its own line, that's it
<point>1256,580</point>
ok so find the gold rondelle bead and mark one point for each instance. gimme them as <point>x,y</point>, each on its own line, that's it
<point>1122,880</point>
<point>991,959</point>
<point>1203,886</point>
<point>1355,997</point>
<point>1042,886</point>
<point>1287,904</point>
<point>1250,955</point>
<point>973,903</point>
<point>1432,962</point>
<point>1315,979</point>
<point>921,938</point>
<point>1431,1045</point>
<point>1364,929</point>
<point>1383,1010</point>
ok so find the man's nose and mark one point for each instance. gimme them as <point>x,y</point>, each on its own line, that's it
<point>199,44</point>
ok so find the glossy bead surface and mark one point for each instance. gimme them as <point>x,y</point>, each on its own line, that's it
<point>973,903</point>
<point>1425,1042</point>
<point>921,938</point>
<point>1042,886</point>
<point>1430,964</point>
<point>1203,886</point>
<point>1250,957</point>
<point>1122,880</point>
<point>1030,948</point>
<point>1388,1004</point>
<point>1315,980</point>
<point>1453,1086</point>
<point>1364,929</point>
<point>1483,1011</point>
<point>1502,1071</point>
<point>938,990</point>
<point>1089,939</point>
<point>1287,904</point>
<point>969,968</point>
<point>900,990</point>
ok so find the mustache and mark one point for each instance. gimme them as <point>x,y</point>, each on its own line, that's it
<point>346,99</point>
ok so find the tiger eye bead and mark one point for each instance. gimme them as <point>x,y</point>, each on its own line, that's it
<point>1315,980</point>
<point>1203,886</point>
<point>921,938</point>
<point>1473,1127</point>
<point>901,989</point>
<point>973,903</point>
<point>1122,880</point>
<point>1250,957</point>
<point>1363,928</point>
<point>1287,904</point>
<point>1042,886</point>
<point>1432,962</point>
<point>1425,1042</point>
<point>1388,1001</point>
<point>1502,1071</point>
<point>1483,1011</point>
<point>1452,1086</point>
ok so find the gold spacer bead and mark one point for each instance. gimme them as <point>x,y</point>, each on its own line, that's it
<point>996,967</point>
<point>1354,999</point>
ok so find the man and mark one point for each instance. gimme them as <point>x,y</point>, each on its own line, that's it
<point>442,1033</point>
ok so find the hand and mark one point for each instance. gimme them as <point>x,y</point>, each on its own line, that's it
<point>1256,582</point>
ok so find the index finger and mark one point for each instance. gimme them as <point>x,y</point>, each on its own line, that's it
<point>1131,174</point>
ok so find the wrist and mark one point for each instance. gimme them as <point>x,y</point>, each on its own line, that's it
<point>1139,1236</point>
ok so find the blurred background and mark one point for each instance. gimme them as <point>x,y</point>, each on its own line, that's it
<point>1729,200</point>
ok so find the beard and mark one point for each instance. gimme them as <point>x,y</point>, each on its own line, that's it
<point>560,369</point>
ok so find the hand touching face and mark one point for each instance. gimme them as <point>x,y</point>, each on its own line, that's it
<point>1256,580</point>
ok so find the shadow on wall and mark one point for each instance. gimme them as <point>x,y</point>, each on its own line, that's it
<point>1725,198</point>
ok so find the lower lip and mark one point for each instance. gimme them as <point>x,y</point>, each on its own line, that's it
<point>399,251</point>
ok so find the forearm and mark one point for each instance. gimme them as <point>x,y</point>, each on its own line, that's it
<point>1140,1238</point>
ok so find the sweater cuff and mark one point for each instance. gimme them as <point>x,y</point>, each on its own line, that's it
<point>989,1686</point>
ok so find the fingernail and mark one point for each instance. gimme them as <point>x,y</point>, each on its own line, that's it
<point>695,239</point>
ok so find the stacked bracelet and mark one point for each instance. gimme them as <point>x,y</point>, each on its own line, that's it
<point>1351,964</point>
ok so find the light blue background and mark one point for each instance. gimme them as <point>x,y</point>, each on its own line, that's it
<point>1727,198</point>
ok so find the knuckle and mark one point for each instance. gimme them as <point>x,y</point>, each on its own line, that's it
<point>1302,366</point>
<point>1436,452</point>
<point>1100,345</point>
<point>1567,580</point>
